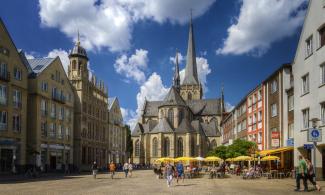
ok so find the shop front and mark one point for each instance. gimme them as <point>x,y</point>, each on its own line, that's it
<point>54,157</point>
<point>9,156</point>
<point>285,154</point>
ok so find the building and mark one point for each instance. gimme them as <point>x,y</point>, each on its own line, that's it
<point>50,126</point>
<point>13,105</point>
<point>117,132</point>
<point>255,117</point>
<point>91,142</point>
<point>183,124</point>
<point>309,84</point>
<point>228,128</point>
<point>240,119</point>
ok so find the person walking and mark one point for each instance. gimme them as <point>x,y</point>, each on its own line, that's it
<point>130,169</point>
<point>301,174</point>
<point>126,169</point>
<point>169,169</point>
<point>112,169</point>
<point>94,169</point>
<point>180,171</point>
<point>311,174</point>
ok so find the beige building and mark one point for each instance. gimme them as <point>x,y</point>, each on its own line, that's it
<point>91,113</point>
<point>50,127</point>
<point>183,124</point>
<point>13,105</point>
<point>117,132</point>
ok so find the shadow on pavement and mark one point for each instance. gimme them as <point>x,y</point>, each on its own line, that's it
<point>23,179</point>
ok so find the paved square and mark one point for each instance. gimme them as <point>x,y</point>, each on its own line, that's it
<point>145,182</point>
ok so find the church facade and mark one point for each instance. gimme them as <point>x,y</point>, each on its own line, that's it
<point>183,124</point>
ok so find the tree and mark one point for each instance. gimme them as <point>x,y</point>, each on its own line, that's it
<point>129,145</point>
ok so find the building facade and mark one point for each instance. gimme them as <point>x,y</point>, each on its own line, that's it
<point>183,124</point>
<point>50,127</point>
<point>13,105</point>
<point>91,134</point>
<point>228,128</point>
<point>255,117</point>
<point>117,133</point>
<point>309,84</point>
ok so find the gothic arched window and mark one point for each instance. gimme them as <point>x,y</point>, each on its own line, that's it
<point>166,146</point>
<point>137,148</point>
<point>155,147</point>
<point>180,147</point>
<point>171,116</point>
<point>73,64</point>
<point>189,96</point>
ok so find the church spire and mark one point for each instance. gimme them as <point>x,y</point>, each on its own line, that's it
<point>191,77</point>
<point>176,80</point>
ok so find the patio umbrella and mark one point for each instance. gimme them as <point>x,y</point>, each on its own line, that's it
<point>184,158</point>
<point>199,158</point>
<point>243,158</point>
<point>165,159</point>
<point>212,159</point>
<point>268,158</point>
<point>230,159</point>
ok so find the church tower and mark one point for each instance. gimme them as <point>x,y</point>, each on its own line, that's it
<point>191,88</point>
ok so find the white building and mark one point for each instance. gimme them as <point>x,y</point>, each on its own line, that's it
<point>309,83</point>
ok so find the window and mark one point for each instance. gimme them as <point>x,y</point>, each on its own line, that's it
<point>322,74</point>
<point>259,95</point>
<point>259,138</point>
<point>3,71</point>
<point>192,146</point>
<point>322,36</point>
<point>322,113</point>
<point>166,147</point>
<point>290,130</point>
<point>137,148</point>
<point>274,86</point>
<point>67,132</point>
<point>305,84</point>
<point>3,94</point>
<point>154,147</point>
<point>3,120</point>
<point>17,98</point>
<point>171,117</point>
<point>16,123</point>
<point>43,107</point>
<point>43,129</point>
<point>180,116</point>
<point>213,144</point>
<point>290,103</point>
<point>309,46</point>
<point>259,116</point>
<point>61,113</point>
<point>53,110</point>
<point>60,131</point>
<point>180,147</point>
<point>305,118</point>
<point>44,86</point>
<point>274,111</point>
<point>17,74</point>
<point>189,96</point>
<point>52,132</point>
<point>249,101</point>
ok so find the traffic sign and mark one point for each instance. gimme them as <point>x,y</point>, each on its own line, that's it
<point>308,146</point>
<point>314,135</point>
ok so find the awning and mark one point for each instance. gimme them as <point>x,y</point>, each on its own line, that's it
<point>275,151</point>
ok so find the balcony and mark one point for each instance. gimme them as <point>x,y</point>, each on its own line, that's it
<point>3,126</point>
<point>58,98</point>
<point>5,76</point>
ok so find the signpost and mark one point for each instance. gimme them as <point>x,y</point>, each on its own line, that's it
<point>314,135</point>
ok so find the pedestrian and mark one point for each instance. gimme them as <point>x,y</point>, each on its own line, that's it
<point>112,169</point>
<point>94,169</point>
<point>169,170</point>
<point>311,174</point>
<point>180,171</point>
<point>301,174</point>
<point>126,169</point>
<point>130,169</point>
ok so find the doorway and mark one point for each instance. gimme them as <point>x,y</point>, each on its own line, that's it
<point>6,156</point>
<point>52,162</point>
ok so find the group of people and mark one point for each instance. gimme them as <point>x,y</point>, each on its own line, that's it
<point>127,168</point>
<point>305,172</point>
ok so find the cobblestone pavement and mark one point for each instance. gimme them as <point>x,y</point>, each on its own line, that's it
<point>145,182</point>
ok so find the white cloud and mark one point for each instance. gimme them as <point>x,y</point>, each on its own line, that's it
<point>63,55</point>
<point>203,69</point>
<point>260,23</point>
<point>229,106</point>
<point>129,117</point>
<point>133,67</point>
<point>29,56</point>
<point>109,24</point>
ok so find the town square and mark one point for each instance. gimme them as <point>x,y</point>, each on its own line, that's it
<point>162,97</point>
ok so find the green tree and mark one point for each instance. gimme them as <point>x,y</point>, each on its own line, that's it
<point>129,145</point>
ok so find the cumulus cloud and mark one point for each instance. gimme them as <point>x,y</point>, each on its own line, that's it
<point>229,106</point>
<point>133,67</point>
<point>63,55</point>
<point>108,23</point>
<point>29,56</point>
<point>203,69</point>
<point>129,117</point>
<point>260,23</point>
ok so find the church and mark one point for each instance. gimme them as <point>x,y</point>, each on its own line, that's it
<point>183,123</point>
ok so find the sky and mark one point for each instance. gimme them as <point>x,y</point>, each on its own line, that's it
<point>131,45</point>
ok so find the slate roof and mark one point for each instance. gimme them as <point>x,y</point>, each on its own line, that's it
<point>38,65</point>
<point>138,130</point>
<point>173,98</point>
<point>162,127</point>
<point>185,127</point>
<point>210,129</point>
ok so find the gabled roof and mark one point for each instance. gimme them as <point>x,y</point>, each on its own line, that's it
<point>205,107</point>
<point>185,127</point>
<point>38,65</point>
<point>111,102</point>
<point>24,60</point>
<point>210,129</point>
<point>151,108</point>
<point>138,130</point>
<point>173,98</point>
<point>162,127</point>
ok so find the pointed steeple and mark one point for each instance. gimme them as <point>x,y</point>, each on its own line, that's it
<point>191,77</point>
<point>222,99</point>
<point>176,80</point>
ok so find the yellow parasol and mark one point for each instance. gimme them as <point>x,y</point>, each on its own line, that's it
<point>230,159</point>
<point>184,158</point>
<point>212,159</point>
<point>268,158</point>
<point>243,158</point>
<point>165,159</point>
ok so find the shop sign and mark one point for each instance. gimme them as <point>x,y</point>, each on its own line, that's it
<point>275,135</point>
<point>275,143</point>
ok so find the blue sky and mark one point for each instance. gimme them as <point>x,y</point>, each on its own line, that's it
<point>130,44</point>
